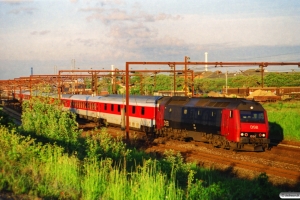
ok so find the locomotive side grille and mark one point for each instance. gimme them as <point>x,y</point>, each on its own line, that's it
<point>218,104</point>
<point>202,102</point>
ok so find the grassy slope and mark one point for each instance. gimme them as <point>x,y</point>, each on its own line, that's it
<point>284,119</point>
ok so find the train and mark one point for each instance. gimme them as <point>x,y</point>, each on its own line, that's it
<point>229,123</point>
<point>294,92</point>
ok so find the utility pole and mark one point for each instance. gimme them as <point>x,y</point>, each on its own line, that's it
<point>262,75</point>
<point>226,80</point>
<point>186,59</point>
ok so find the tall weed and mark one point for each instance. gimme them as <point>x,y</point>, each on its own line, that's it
<point>50,121</point>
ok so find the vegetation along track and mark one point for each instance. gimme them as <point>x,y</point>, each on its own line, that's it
<point>244,164</point>
<point>280,163</point>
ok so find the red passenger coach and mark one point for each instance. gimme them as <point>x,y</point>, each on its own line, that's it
<point>108,109</point>
<point>142,111</point>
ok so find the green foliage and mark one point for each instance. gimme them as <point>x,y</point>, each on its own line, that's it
<point>101,145</point>
<point>174,165</point>
<point>15,161</point>
<point>162,82</point>
<point>270,80</point>
<point>284,120</point>
<point>244,81</point>
<point>5,120</point>
<point>206,84</point>
<point>214,191</point>
<point>50,121</point>
<point>282,79</point>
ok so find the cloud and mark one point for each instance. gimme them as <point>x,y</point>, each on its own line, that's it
<point>134,31</point>
<point>45,32</point>
<point>25,10</point>
<point>114,15</point>
<point>87,42</point>
<point>15,2</point>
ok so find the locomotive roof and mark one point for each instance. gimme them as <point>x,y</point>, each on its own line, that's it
<point>216,102</point>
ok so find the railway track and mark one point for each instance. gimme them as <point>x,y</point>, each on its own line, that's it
<point>16,116</point>
<point>242,164</point>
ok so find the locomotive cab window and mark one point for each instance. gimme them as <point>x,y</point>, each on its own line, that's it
<point>252,116</point>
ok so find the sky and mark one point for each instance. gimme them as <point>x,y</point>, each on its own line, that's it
<point>49,35</point>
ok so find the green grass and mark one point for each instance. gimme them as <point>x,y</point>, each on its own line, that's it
<point>284,118</point>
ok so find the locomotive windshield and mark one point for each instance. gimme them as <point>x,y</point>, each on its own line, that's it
<point>252,116</point>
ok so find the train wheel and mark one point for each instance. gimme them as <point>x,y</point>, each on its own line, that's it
<point>225,144</point>
<point>216,142</point>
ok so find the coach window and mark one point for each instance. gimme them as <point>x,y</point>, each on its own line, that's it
<point>133,109</point>
<point>143,111</point>
<point>105,106</point>
<point>119,108</point>
<point>112,107</point>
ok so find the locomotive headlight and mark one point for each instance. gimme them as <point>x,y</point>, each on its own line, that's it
<point>263,135</point>
<point>242,134</point>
